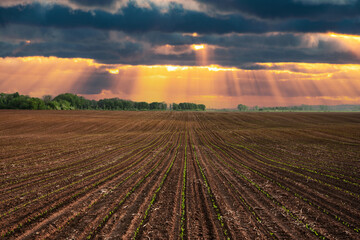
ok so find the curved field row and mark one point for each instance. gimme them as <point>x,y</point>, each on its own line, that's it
<point>79,167</point>
<point>44,197</point>
<point>96,172</point>
<point>323,179</point>
<point>179,175</point>
<point>323,209</point>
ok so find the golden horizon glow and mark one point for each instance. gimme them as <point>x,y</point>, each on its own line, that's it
<point>277,84</point>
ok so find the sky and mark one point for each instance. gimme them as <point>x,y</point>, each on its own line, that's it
<point>219,53</point>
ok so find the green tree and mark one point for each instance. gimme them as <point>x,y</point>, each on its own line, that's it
<point>242,107</point>
<point>201,107</point>
<point>175,106</point>
<point>47,99</point>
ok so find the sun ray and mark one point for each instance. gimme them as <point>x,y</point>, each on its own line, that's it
<point>213,85</point>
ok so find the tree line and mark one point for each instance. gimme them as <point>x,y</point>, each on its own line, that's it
<point>69,101</point>
<point>187,106</point>
<point>300,108</point>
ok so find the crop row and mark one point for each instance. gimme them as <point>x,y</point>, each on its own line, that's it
<point>183,197</point>
<point>301,164</point>
<point>306,200</point>
<point>297,167</point>
<point>69,168</point>
<point>212,197</point>
<point>147,211</point>
<point>296,194</point>
<point>265,193</point>
<point>242,199</point>
<point>302,175</point>
<point>68,171</point>
<point>75,195</point>
<point>106,194</point>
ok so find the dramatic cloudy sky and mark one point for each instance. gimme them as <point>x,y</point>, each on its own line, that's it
<point>221,53</point>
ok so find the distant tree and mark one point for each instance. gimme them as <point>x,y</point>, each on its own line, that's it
<point>65,105</point>
<point>54,105</point>
<point>142,106</point>
<point>188,106</point>
<point>47,99</point>
<point>324,108</point>
<point>36,104</point>
<point>242,107</point>
<point>158,106</point>
<point>201,107</point>
<point>75,101</point>
<point>69,101</point>
<point>163,106</point>
<point>175,106</point>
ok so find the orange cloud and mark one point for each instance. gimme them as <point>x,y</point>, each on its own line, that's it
<point>215,86</point>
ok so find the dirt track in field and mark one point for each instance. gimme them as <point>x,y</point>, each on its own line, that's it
<point>179,175</point>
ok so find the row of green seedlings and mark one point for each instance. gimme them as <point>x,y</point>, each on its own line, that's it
<point>345,180</point>
<point>318,207</point>
<point>300,174</point>
<point>76,216</point>
<point>60,204</point>
<point>29,156</point>
<point>147,211</point>
<point>332,140</point>
<point>32,175</point>
<point>73,165</point>
<point>64,166</point>
<point>356,195</point>
<point>298,167</point>
<point>120,203</point>
<point>29,220</point>
<point>183,197</point>
<point>81,180</point>
<point>68,171</point>
<point>314,164</point>
<point>269,196</point>
<point>56,182</point>
<point>328,175</point>
<point>242,199</point>
<point>212,197</point>
<point>306,200</point>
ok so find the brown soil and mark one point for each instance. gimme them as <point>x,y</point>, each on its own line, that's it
<point>120,175</point>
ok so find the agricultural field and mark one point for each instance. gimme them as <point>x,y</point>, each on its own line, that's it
<point>179,175</point>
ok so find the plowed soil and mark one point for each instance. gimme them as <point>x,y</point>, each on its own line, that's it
<point>179,175</point>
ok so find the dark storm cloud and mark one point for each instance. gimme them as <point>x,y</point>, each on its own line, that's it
<point>242,56</point>
<point>131,19</point>
<point>57,30</point>
<point>239,50</point>
<point>126,52</point>
<point>92,3</point>
<point>279,9</point>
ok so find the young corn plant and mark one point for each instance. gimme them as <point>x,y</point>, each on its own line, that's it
<point>183,197</point>
<point>147,211</point>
